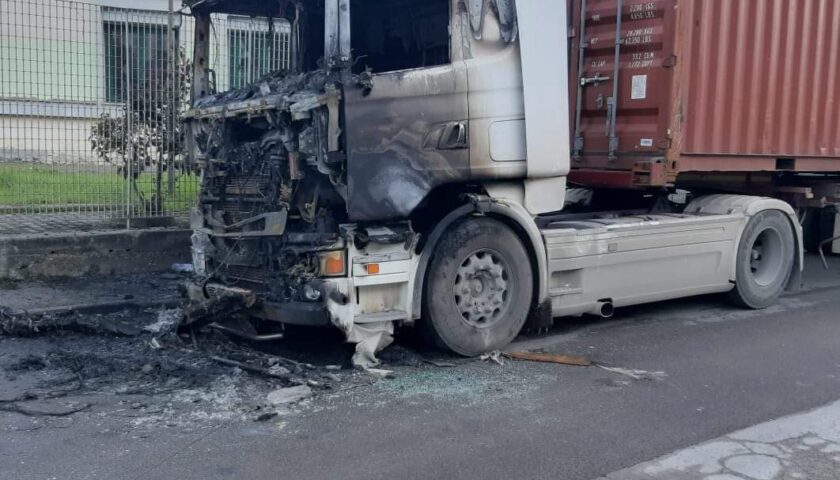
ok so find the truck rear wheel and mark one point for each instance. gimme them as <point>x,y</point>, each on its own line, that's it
<point>765,260</point>
<point>478,289</point>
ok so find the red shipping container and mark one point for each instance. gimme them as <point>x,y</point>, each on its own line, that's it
<point>704,88</point>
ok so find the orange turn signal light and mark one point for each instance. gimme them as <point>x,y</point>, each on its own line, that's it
<point>333,264</point>
<point>372,268</point>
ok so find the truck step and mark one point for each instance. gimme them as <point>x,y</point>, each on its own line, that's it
<point>388,316</point>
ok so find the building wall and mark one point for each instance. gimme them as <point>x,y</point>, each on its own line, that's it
<point>53,77</point>
<point>47,140</point>
<point>50,51</point>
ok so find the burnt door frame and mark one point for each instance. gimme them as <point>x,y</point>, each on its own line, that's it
<point>407,134</point>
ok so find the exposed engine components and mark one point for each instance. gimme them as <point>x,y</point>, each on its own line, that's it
<point>271,198</point>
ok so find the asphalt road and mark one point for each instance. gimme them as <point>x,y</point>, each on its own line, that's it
<point>705,369</point>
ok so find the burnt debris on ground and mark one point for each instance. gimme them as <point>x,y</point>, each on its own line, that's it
<point>136,363</point>
<point>57,365</point>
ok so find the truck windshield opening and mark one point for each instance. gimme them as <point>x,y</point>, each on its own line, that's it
<point>400,35</point>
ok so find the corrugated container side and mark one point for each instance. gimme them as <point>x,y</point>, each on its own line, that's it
<point>711,85</point>
<point>761,78</point>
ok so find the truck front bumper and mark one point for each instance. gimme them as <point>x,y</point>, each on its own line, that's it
<point>309,314</point>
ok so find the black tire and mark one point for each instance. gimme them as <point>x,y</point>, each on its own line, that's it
<point>766,256</point>
<point>478,289</point>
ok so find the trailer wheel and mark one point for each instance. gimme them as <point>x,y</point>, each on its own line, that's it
<point>765,260</point>
<point>478,289</point>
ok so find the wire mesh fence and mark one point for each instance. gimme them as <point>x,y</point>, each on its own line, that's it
<point>90,99</point>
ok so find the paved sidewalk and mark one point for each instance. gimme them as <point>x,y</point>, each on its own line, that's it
<point>803,446</point>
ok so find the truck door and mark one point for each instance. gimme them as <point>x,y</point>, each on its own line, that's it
<point>406,126</point>
<point>517,70</point>
<point>497,109</point>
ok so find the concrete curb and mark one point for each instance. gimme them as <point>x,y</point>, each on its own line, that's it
<point>84,254</point>
<point>100,308</point>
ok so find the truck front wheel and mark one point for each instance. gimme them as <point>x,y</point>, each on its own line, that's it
<point>478,288</point>
<point>766,256</point>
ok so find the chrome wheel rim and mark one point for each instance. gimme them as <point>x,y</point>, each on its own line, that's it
<point>482,288</point>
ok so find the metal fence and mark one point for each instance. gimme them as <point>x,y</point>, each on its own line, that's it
<point>90,98</point>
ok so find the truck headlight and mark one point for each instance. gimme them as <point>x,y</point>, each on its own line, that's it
<point>310,293</point>
<point>332,264</point>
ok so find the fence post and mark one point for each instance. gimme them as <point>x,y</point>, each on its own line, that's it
<point>201,56</point>
<point>129,114</point>
<point>174,91</point>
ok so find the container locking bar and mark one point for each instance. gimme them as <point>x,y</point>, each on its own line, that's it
<point>613,102</point>
<point>578,143</point>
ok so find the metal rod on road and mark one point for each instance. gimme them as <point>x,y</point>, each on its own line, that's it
<point>822,246</point>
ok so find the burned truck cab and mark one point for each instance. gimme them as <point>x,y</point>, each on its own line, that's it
<point>321,182</point>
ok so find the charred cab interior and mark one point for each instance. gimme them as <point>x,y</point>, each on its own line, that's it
<point>399,35</point>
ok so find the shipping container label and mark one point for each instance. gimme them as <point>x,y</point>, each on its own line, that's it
<point>639,36</point>
<point>642,60</point>
<point>643,11</point>
<point>639,90</point>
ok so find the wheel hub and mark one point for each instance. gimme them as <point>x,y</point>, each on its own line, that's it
<point>766,257</point>
<point>481,288</point>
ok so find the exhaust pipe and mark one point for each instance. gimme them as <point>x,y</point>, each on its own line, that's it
<point>603,309</point>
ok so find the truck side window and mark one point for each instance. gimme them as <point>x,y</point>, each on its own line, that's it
<point>399,34</point>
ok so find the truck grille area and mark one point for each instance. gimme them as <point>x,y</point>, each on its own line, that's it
<point>270,198</point>
<point>248,186</point>
<point>239,273</point>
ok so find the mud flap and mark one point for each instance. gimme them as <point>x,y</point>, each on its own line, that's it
<point>370,339</point>
<point>540,318</point>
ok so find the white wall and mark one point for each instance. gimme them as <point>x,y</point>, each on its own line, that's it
<point>162,5</point>
<point>46,140</point>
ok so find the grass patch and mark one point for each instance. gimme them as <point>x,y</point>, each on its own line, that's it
<point>61,187</point>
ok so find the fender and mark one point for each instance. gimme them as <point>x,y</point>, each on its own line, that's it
<point>510,213</point>
<point>750,206</point>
